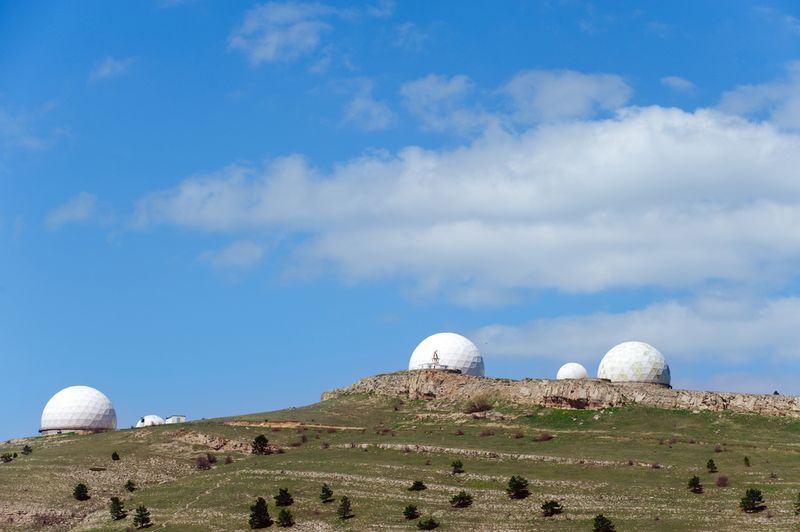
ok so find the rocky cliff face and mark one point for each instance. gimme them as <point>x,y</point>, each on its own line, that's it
<point>589,393</point>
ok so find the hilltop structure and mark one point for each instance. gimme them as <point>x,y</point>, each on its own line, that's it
<point>448,351</point>
<point>634,362</point>
<point>572,370</point>
<point>78,409</point>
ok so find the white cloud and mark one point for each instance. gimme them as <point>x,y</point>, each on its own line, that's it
<point>439,103</point>
<point>410,37</point>
<point>778,100</point>
<point>238,255</point>
<point>381,9</point>
<point>677,83</point>
<point>546,95</point>
<point>110,68</point>
<point>281,31</point>
<point>652,197</point>
<point>81,208</point>
<point>21,129</point>
<point>366,113</point>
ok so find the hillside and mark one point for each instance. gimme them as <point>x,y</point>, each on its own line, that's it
<point>630,462</point>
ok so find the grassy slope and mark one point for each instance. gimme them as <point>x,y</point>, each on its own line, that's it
<point>585,466</point>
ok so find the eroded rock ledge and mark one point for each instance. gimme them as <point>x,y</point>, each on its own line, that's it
<point>590,393</point>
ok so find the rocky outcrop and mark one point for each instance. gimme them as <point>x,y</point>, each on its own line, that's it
<point>588,393</point>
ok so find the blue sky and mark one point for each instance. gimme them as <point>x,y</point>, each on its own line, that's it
<point>215,208</point>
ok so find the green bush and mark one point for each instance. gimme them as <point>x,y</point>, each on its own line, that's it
<point>130,486</point>
<point>260,445</point>
<point>344,511</point>
<point>283,498</point>
<point>551,508</point>
<point>417,485</point>
<point>81,492</point>
<point>285,518</point>
<point>115,456</point>
<point>27,449</point>
<point>458,466</point>
<point>410,511</point>
<point>142,517</point>
<point>326,493</point>
<point>694,485</point>
<point>259,514</point>
<point>602,524</point>
<point>116,509</point>
<point>428,523</point>
<point>461,500</point>
<point>517,487</point>
<point>753,501</point>
<point>711,466</point>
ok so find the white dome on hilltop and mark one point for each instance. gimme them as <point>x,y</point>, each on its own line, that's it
<point>149,421</point>
<point>450,351</point>
<point>78,408</point>
<point>634,362</point>
<point>572,370</point>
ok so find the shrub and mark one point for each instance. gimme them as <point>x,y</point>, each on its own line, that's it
<point>115,456</point>
<point>722,481</point>
<point>711,466</point>
<point>486,433</point>
<point>229,459</point>
<point>544,436</point>
<point>283,498</point>
<point>130,486</point>
<point>202,463</point>
<point>479,403</point>
<point>344,511</point>
<point>303,438</point>
<point>116,509</point>
<point>602,524</point>
<point>718,448</point>
<point>459,432</point>
<point>551,508</point>
<point>259,514</point>
<point>417,485</point>
<point>797,505</point>
<point>325,445</point>
<point>694,485</point>
<point>285,518</point>
<point>326,493</point>
<point>428,523</point>
<point>655,465</point>
<point>517,435</point>
<point>142,517</point>
<point>81,492</point>
<point>753,501</point>
<point>260,445</point>
<point>458,466</point>
<point>6,457</point>
<point>746,461</point>
<point>410,511</point>
<point>462,499</point>
<point>517,487</point>
<point>212,458</point>
<point>27,449</point>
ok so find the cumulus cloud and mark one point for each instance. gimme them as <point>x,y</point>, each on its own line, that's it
<point>22,129</point>
<point>677,83</point>
<point>78,209</point>
<point>439,102</point>
<point>777,100</point>
<point>241,254</point>
<point>651,197</point>
<point>277,31</point>
<point>110,68</point>
<point>365,112</point>
<point>546,95</point>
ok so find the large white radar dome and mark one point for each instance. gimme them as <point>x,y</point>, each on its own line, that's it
<point>572,370</point>
<point>447,351</point>
<point>78,408</point>
<point>149,421</point>
<point>634,362</point>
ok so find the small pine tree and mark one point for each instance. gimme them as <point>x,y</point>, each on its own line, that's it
<point>410,511</point>
<point>130,486</point>
<point>116,509</point>
<point>115,456</point>
<point>259,514</point>
<point>260,445</point>
<point>797,505</point>
<point>458,466</point>
<point>283,498</point>
<point>711,466</point>
<point>344,511</point>
<point>428,523</point>
<point>747,461</point>
<point>752,501</point>
<point>81,492</point>
<point>517,487</point>
<point>142,517</point>
<point>326,493</point>
<point>551,508</point>
<point>462,499</point>
<point>285,518</point>
<point>417,485</point>
<point>694,485</point>
<point>603,524</point>
<point>27,449</point>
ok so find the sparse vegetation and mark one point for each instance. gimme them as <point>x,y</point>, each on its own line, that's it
<point>130,486</point>
<point>753,501</point>
<point>26,450</point>
<point>116,509</point>
<point>80,492</point>
<point>694,485</point>
<point>201,463</point>
<point>345,510</point>
<point>417,485</point>
<point>115,456</point>
<point>141,519</point>
<point>259,514</point>
<point>462,499</point>
<point>427,523</point>
<point>326,493</point>
<point>602,523</point>
<point>517,487</point>
<point>285,518</point>
<point>212,458</point>
<point>747,461</point>
<point>711,466</point>
<point>479,403</point>
<point>283,498</point>
<point>6,458</point>
<point>457,466</point>
<point>797,504</point>
<point>260,445</point>
<point>551,508</point>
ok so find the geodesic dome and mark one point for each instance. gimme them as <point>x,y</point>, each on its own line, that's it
<point>634,362</point>
<point>78,408</point>
<point>453,351</point>
<point>149,421</point>
<point>572,370</point>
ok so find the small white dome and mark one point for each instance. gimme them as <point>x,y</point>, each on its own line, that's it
<point>572,370</point>
<point>448,350</point>
<point>634,362</point>
<point>149,421</point>
<point>78,408</point>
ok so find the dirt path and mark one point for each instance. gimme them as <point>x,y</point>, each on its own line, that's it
<point>290,425</point>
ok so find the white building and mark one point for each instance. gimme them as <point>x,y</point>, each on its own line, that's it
<point>149,421</point>
<point>447,351</point>
<point>572,370</point>
<point>634,362</point>
<point>178,418</point>
<point>78,409</point>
